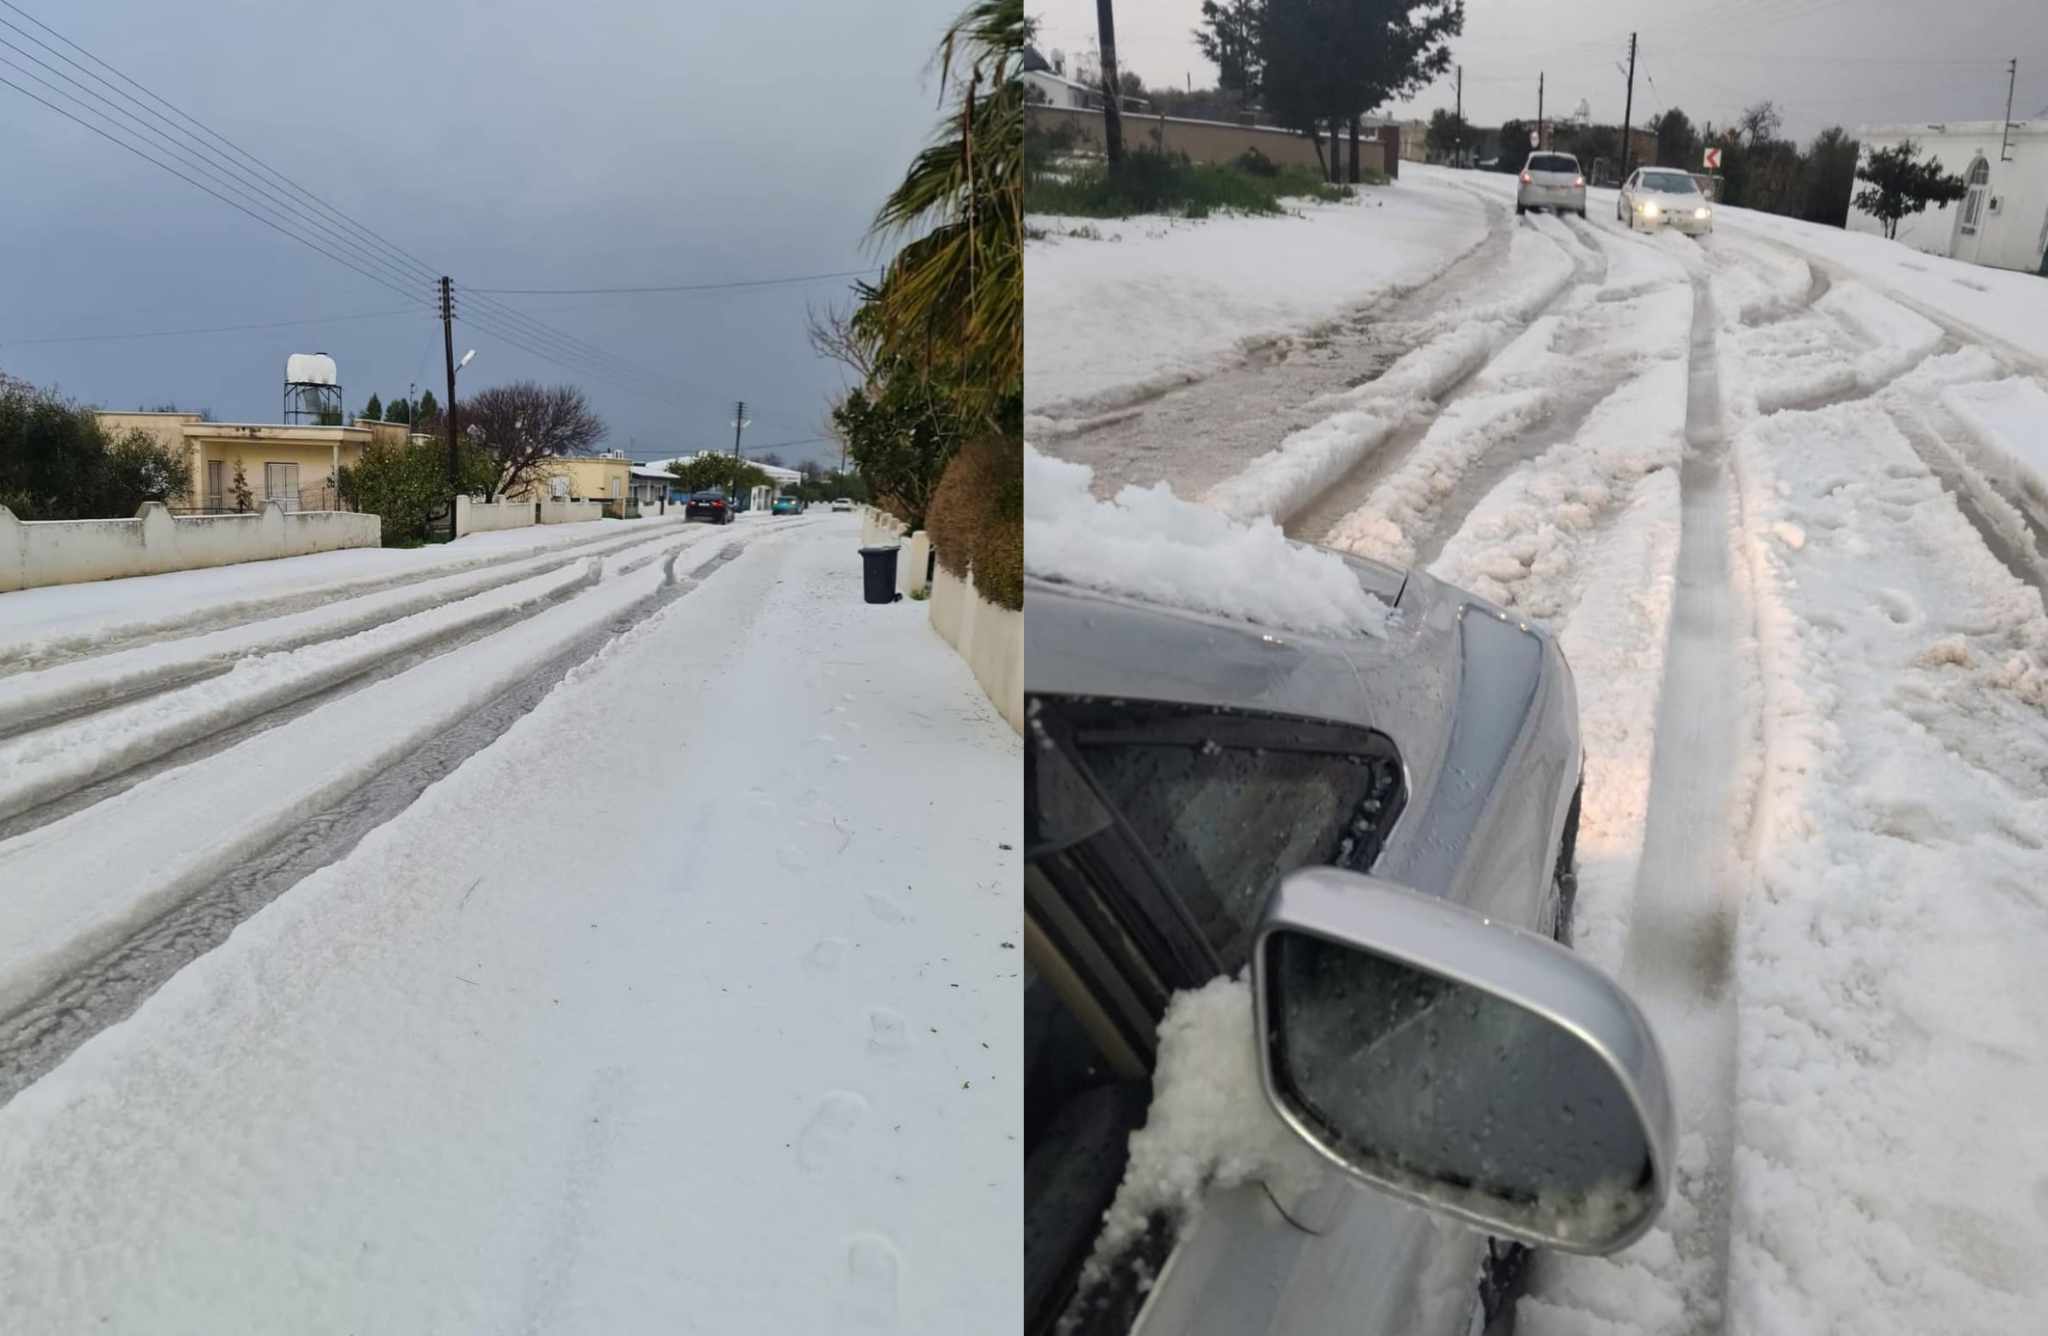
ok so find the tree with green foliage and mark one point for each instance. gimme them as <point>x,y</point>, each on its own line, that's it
<point>724,473</point>
<point>399,410</point>
<point>1447,133</point>
<point>1900,187</point>
<point>245,499</point>
<point>1514,145</point>
<point>426,414</point>
<point>406,484</point>
<point>1328,62</point>
<point>1229,37</point>
<point>1678,143</point>
<point>1830,177</point>
<point>900,433</point>
<point>374,410</point>
<point>58,463</point>
<point>954,291</point>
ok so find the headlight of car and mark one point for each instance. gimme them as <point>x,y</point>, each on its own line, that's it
<point>1700,213</point>
<point>1651,209</point>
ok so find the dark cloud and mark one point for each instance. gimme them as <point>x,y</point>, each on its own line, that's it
<point>515,143</point>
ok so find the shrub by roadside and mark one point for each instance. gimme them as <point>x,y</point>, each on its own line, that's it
<point>976,519</point>
<point>1155,182</point>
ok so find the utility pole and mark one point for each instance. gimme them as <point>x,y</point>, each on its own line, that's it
<point>448,414</point>
<point>1539,110</point>
<point>2012,73</point>
<point>1628,106</point>
<point>1458,156</point>
<point>1112,94</point>
<point>739,422</point>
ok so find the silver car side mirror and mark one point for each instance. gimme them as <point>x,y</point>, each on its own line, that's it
<point>1464,1065</point>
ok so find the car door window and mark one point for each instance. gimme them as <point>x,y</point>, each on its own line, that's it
<point>1153,834</point>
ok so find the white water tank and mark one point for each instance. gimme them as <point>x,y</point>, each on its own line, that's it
<point>309,369</point>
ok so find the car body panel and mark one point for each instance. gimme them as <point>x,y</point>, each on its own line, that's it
<point>1482,710</point>
<point>786,506</point>
<point>1677,210</point>
<point>1551,187</point>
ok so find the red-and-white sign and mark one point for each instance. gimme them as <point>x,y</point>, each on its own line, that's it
<point>1713,160</point>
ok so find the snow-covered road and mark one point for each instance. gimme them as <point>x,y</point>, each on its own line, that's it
<point>1789,519</point>
<point>611,934</point>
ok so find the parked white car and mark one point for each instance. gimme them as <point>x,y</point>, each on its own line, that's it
<point>1654,197</point>
<point>1552,181</point>
<point>841,503</point>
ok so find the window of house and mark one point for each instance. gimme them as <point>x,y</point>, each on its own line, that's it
<point>281,483</point>
<point>1973,202</point>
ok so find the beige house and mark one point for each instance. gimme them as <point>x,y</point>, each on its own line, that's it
<point>295,465</point>
<point>607,478</point>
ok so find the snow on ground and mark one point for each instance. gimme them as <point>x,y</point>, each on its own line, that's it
<point>1893,1011</point>
<point>1156,301</point>
<point>1281,481</point>
<point>691,1002</point>
<point>55,622</point>
<point>1803,545</point>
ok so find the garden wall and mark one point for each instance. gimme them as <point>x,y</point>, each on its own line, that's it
<point>34,553</point>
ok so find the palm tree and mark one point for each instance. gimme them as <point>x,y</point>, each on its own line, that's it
<point>951,300</point>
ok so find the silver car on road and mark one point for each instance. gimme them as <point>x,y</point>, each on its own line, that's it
<point>1659,197</point>
<point>1551,181</point>
<point>1382,830</point>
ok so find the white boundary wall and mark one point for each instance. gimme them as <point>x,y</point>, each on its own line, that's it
<point>483,517</point>
<point>990,638</point>
<point>570,512</point>
<point>34,553</point>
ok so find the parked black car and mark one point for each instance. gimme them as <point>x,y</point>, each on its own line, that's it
<point>708,506</point>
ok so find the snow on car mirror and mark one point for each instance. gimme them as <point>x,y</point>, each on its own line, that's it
<point>1470,1067</point>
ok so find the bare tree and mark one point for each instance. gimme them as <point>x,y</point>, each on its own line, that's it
<point>833,334</point>
<point>1760,121</point>
<point>524,424</point>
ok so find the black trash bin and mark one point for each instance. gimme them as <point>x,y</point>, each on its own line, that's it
<point>879,570</point>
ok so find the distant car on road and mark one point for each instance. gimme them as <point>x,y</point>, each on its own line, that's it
<point>787,505</point>
<point>708,506</point>
<point>1382,829</point>
<point>1655,197</point>
<point>1552,181</point>
<point>841,503</point>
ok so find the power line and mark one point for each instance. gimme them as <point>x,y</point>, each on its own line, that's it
<point>365,252</point>
<point>681,287</point>
<point>211,329</point>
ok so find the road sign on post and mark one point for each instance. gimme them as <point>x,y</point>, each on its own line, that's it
<point>1713,163</point>
<point>1532,139</point>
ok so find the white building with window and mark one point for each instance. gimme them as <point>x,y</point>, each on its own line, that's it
<point>2003,219</point>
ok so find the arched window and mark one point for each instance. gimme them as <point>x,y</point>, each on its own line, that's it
<point>1973,202</point>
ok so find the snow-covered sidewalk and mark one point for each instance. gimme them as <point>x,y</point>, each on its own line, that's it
<point>690,1003</point>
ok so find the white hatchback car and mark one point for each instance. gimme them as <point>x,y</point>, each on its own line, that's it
<point>1656,197</point>
<point>1552,181</point>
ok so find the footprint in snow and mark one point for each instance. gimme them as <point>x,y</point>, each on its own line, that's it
<point>873,1270</point>
<point>826,955</point>
<point>888,1032</point>
<point>832,1125</point>
<point>886,909</point>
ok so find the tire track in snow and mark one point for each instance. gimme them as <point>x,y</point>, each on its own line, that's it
<point>108,988</point>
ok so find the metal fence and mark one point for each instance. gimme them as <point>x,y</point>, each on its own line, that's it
<point>322,497</point>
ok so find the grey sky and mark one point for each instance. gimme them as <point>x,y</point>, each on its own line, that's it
<point>1823,61</point>
<point>511,144</point>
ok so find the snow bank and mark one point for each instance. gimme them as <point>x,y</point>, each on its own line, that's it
<point>1147,543</point>
<point>1893,1015</point>
<point>1157,302</point>
<point>2008,420</point>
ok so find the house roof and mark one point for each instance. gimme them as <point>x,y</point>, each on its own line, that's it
<point>775,471</point>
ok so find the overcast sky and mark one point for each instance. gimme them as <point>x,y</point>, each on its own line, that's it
<point>509,143</point>
<point>1824,62</point>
